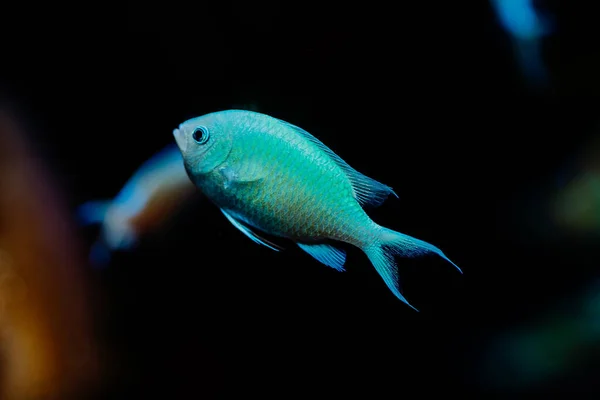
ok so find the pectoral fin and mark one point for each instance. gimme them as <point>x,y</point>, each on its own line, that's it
<point>252,235</point>
<point>326,254</point>
<point>245,172</point>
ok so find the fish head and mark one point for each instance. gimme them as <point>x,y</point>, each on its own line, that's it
<point>205,142</point>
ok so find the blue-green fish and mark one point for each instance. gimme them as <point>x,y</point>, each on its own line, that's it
<point>267,175</point>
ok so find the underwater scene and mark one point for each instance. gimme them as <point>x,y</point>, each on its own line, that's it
<point>230,200</point>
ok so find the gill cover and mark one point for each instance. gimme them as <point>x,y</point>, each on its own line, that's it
<point>204,156</point>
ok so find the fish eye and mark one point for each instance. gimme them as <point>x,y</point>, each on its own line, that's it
<point>200,135</point>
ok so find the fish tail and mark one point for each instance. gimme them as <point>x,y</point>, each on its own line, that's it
<point>117,238</point>
<point>92,212</point>
<point>391,243</point>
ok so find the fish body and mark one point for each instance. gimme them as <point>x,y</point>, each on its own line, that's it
<point>268,175</point>
<point>153,193</point>
<point>316,189</point>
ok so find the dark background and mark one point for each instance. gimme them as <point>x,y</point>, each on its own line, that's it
<point>422,96</point>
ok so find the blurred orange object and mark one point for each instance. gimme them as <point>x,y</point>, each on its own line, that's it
<point>47,348</point>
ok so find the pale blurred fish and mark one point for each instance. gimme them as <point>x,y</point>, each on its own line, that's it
<point>271,176</point>
<point>155,191</point>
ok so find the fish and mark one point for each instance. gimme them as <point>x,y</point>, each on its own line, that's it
<point>526,27</point>
<point>157,189</point>
<point>270,177</point>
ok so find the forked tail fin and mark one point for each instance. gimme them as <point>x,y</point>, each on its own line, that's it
<point>392,243</point>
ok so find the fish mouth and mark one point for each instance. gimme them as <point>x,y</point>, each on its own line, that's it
<point>179,139</point>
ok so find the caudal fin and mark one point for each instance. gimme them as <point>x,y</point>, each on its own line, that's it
<point>392,243</point>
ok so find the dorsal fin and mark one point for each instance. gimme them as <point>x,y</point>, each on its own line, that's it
<point>367,191</point>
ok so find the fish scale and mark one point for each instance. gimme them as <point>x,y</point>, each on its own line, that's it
<point>300,175</point>
<point>267,175</point>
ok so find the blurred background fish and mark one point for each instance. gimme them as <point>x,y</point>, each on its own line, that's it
<point>150,197</point>
<point>527,27</point>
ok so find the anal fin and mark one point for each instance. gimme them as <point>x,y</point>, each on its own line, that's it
<point>326,254</point>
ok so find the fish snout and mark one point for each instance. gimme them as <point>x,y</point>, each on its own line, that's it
<point>179,139</point>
